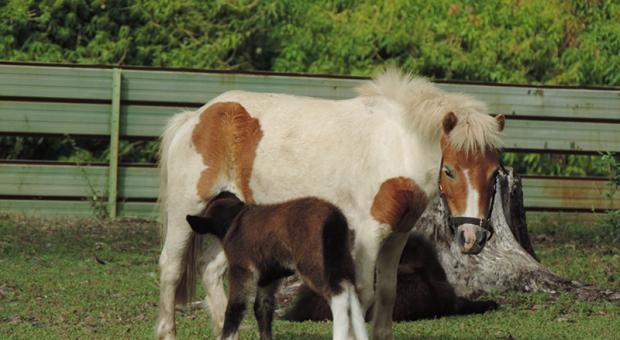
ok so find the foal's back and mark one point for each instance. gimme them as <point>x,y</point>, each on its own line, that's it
<point>294,234</point>
<point>294,224</point>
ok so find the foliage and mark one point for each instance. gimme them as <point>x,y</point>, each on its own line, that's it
<point>83,150</point>
<point>78,278</point>
<point>611,164</point>
<point>550,42</point>
<point>555,164</point>
<point>63,148</point>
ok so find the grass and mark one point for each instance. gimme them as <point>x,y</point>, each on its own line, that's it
<point>85,279</point>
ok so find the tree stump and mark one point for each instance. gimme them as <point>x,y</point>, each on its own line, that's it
<point>508,261</point>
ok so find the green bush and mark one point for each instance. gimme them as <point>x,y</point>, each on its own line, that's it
<point>549,42</point>
<point>611,163</point>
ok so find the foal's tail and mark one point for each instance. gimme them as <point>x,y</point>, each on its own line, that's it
<point>187,285</point>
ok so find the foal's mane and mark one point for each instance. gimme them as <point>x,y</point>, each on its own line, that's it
<point>424,106</point>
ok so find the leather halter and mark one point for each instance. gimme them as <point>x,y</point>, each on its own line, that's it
<point>484,223</point>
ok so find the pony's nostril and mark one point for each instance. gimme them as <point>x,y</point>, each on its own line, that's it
<point>462,237</point>
<point>481,240</point>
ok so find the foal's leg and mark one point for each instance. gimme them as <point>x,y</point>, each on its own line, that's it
<point>239,281</point>
<point>213,280</point>
<point>385,295</point>
<point>171,265</point>
<point>340,306</point>
<point>264,305</point>
<point>357,316</point>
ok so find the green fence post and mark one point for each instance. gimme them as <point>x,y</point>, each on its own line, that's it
<point>114,136</point>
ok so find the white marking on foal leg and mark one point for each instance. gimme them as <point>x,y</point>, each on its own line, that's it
<point>339,305</point>
<point>213,281</point>
<point>357,316</point>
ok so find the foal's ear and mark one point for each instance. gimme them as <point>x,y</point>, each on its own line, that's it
<point>449,122</point>
<point>201,225</point>
<point>501,121</point>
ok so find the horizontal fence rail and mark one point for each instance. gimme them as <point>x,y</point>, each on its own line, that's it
<point>138,189</point>
<point>135,103</point>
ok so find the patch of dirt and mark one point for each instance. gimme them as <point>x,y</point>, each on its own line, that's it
<point>595,293</point>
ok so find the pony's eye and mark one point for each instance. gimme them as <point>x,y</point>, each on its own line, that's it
<point>448,172</point>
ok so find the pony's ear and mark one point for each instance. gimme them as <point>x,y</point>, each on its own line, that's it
<point>501,121</point>
<point>201,225</point>
<point>449,122</point>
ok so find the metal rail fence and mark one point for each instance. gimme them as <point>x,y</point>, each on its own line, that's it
<point>121,103</point>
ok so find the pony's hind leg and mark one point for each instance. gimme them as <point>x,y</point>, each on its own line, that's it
<point>264,305</point>
<point>177,238</point>
<point>213,281</point>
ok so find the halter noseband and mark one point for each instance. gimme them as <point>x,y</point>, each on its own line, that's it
<point>484,223</point>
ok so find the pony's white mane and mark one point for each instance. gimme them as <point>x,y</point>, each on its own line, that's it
<point>424,106</point>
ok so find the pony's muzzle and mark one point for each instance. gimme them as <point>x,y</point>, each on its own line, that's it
<point>471,238</point>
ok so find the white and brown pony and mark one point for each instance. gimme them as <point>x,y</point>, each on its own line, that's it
<point>380,157</point>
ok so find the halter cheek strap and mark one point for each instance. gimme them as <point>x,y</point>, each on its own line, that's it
<point>455,222</point>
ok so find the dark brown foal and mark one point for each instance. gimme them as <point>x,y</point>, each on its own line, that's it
<point>264,243</point>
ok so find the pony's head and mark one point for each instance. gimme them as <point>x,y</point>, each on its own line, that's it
<point>467,178</point>
<point>217,216</point>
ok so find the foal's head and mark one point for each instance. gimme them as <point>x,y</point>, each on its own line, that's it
<point>217,215</point>
<point>467,184</point>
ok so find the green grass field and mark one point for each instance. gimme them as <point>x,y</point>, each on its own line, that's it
<point>84,279</point>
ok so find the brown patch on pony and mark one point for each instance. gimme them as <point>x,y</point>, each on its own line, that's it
<point>226,137</point>
<point>399,203</point>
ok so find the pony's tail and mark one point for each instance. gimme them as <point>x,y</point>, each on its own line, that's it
<point>187,286</point>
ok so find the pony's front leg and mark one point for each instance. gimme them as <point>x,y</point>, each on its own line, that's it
<point>176,243</point>
<point>385,294</point>
<point>213,281</point>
